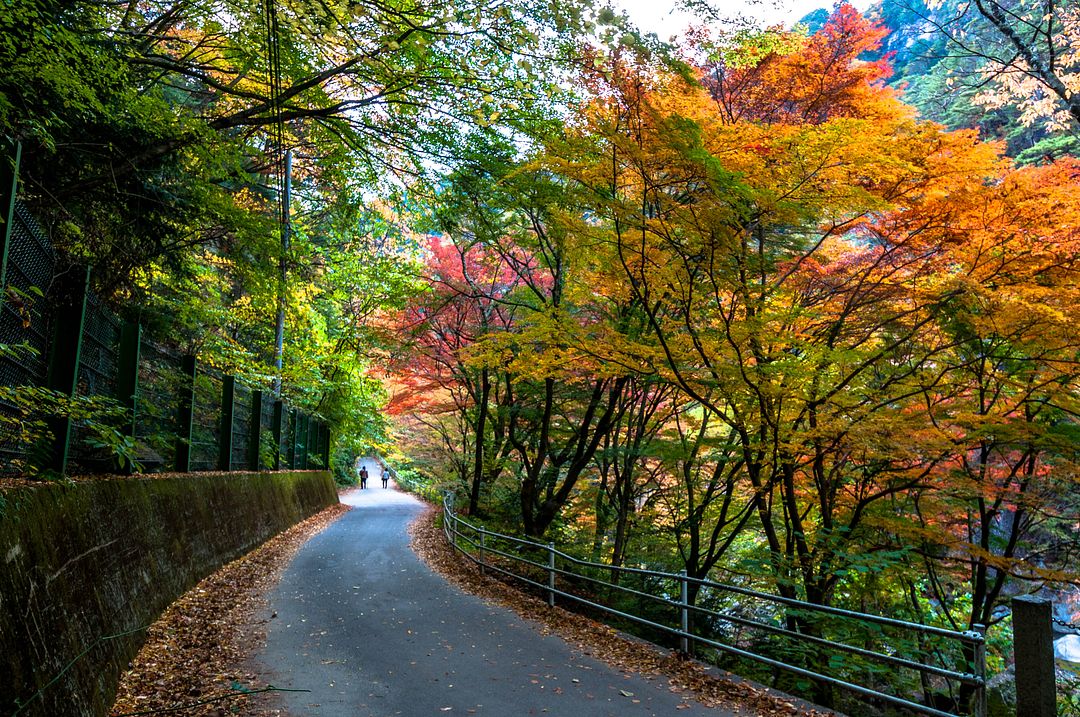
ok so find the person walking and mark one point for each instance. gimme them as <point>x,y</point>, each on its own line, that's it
<point>385,478</point>
<point>363,477</point>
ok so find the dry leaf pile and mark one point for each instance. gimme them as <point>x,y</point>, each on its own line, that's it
<point>192,661</point>
<point>601,641</point>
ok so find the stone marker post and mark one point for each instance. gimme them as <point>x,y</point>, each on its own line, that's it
<point>1033,650</point>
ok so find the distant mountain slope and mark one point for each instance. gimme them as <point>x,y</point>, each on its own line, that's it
<point>947,84</point>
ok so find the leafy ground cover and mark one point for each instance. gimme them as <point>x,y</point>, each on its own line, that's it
<point>194,656</point>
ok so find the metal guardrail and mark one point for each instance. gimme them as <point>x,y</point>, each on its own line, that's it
<point>483,544</point>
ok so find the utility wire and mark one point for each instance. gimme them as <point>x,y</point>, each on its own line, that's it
<point>281,166</point>
<point>21,705</point>
<point>236,693</point>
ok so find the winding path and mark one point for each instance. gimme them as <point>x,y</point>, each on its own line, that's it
<point>370,630</point>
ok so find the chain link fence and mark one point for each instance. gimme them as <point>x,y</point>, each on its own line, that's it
<point>57,335</point>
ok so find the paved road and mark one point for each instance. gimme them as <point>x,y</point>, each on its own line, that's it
<point>371,631</point>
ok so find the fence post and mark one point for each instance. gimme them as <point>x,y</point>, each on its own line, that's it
<point>290,451</point>
<point>186,413</point>
<point>483,545</point>
<point>454,530</point>
<point>326,446</point>
<point>684,614</point>
<point>225,432</point>
<point>1033,650</point>
<point>127,377</point>
<point>980,671</point>
<point>9,185</point>
<point>70,320</point>
<point>255,432</point>
<point>303,424</point>
<point>551,574</point>
<point>275,428</point>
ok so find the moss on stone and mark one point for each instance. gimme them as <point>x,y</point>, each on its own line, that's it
<point>86,560</point>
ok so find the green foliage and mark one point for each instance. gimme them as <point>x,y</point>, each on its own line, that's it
<point>950,80</point>
<point>149,135</point>
<point>408,477</point>
<point>24,425</point>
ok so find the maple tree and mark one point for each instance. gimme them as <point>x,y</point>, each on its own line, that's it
<point>462,305</point>
<point>779,245</point>
<point>724,260</point>
<point>796,269</point>
<point>769,323</point>
<point>1006,413</point>
<point>1035,60</point>
<point>628,471</point>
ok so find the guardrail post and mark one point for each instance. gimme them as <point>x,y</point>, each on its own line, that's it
<point>980,671</point>
<point>1033,650</point>
<point>684,614</point>
<point>483,544</point>
<point>551,574</point>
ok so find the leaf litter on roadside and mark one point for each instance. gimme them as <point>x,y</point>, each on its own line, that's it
<point>196,650</point>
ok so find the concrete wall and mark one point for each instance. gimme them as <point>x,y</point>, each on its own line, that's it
<point>83,561</point>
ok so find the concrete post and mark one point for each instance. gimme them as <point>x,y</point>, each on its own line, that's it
<point>1033,650</point>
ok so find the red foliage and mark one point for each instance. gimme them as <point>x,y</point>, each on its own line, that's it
<point>822,80</point>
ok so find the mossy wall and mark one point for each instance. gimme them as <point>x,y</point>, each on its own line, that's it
<point>83,561</point>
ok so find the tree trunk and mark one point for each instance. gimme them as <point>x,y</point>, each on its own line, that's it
<point>481,426</point>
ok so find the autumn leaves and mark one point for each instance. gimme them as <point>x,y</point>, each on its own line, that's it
<point>764,315</point>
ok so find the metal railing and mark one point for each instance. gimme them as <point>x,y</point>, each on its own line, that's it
<point>498,552</point>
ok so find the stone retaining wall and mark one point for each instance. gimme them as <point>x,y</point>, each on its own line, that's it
<point>85,561</point>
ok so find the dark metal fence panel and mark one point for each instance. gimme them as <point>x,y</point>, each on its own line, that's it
<point>24,319</point>
<point>97,377</point>
<point>101,339</point>
<point>30,312</point>
<point>206,421</point>
<point>157,404</point>
<point>266,428</point>
<point>241,428</point>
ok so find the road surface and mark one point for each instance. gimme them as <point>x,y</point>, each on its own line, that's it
<point>370,630</point>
